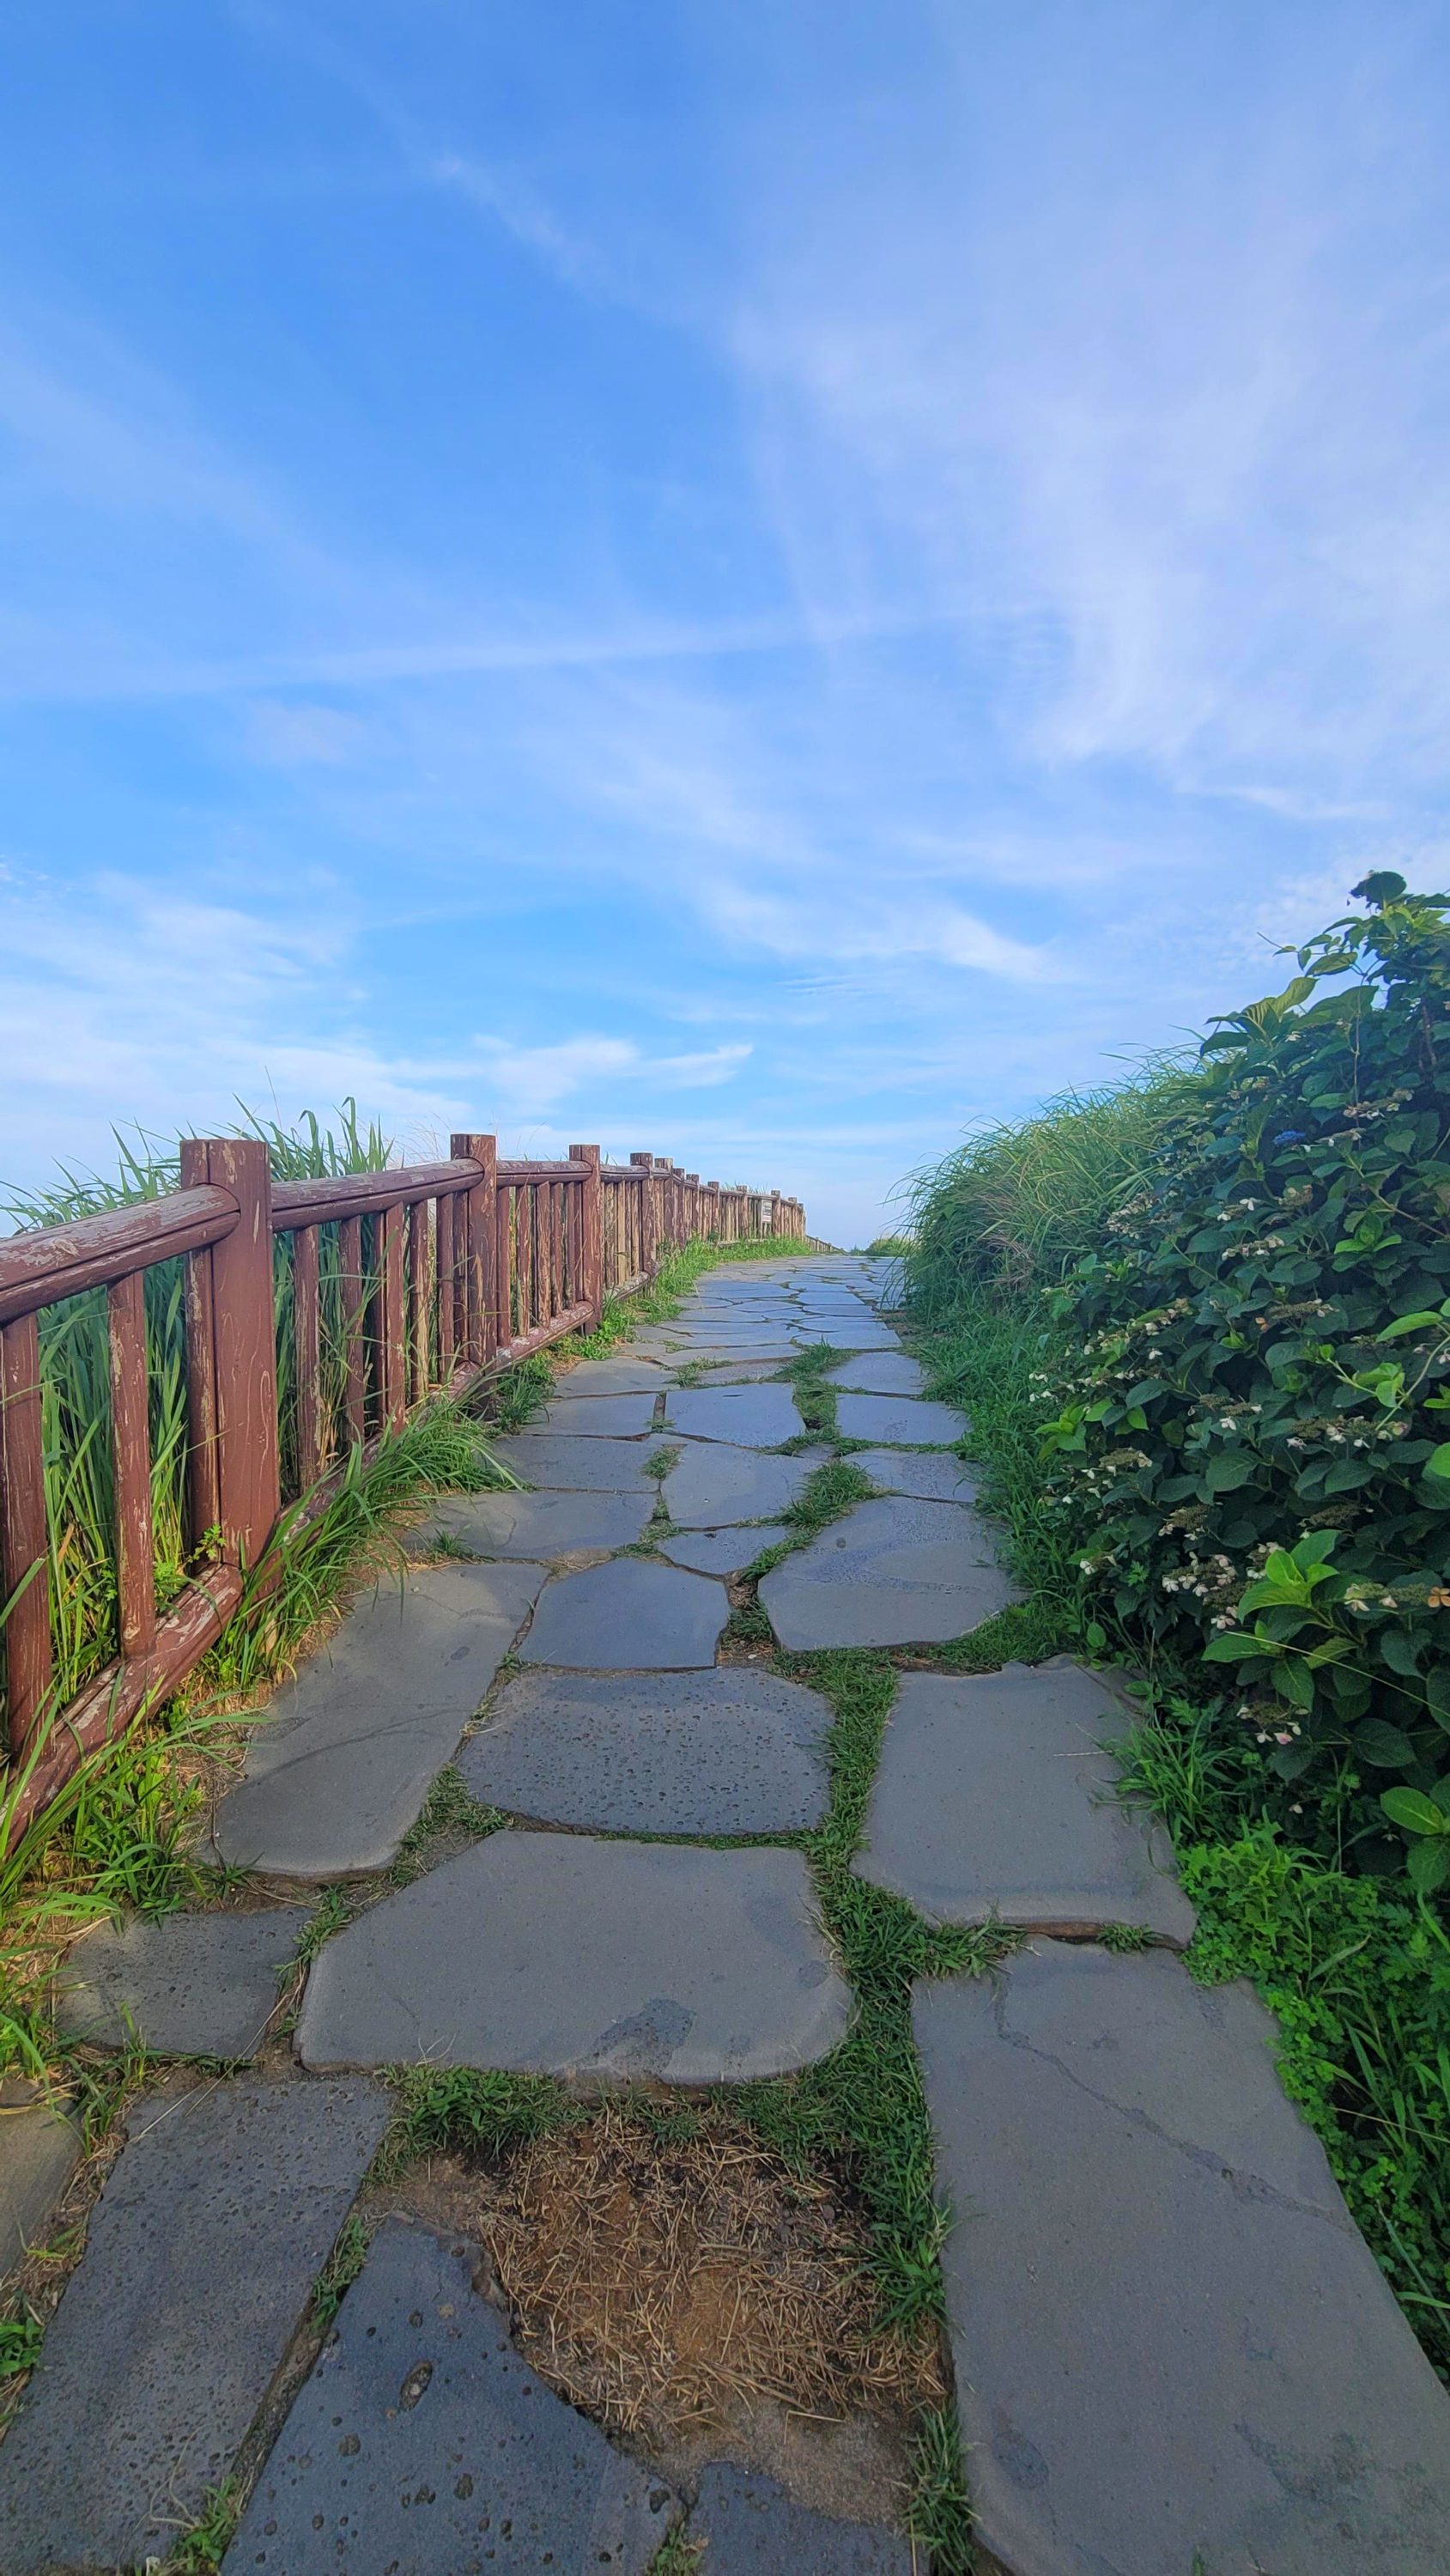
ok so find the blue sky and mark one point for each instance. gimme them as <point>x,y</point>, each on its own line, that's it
<point>769,583</point>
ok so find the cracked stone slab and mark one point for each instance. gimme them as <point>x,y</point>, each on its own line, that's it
<point>537,1525</point>
<point>567,1464</point>
<point>754,2529</point>
<point>338,1772</point>
<point>201,2258</point>
<point>905,1418</point>
<point>740,1373</point>
<point>933,1476</point>
<point>714,1484</point>
<point>193,1985</point>
<point>723,1551</point>
<point>992,1800</point>
<point>39,2150</point>
<point>893,1573</point>
<point>631,1374</point>
<point>880,1373</point>
<point>423,2442</point>
<point>596,1417</point>
<point>628,1616</point>
<point>615,1960</point>
<point>1173,2347</point>
<point>753,1417</point>
<point>727,1752</point>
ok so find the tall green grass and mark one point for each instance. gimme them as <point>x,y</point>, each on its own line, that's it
<point>75,1375</point>
<point>1015,1205</point>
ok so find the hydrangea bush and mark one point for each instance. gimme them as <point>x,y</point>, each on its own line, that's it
<point>1251,1447</point>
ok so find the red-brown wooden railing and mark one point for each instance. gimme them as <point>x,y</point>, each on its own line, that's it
<point>403,1283</point>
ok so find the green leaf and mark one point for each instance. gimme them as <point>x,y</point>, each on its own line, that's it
<point>1413,1812</point>
<point>1230,1650</point>
<point>1314,1547</point>
<point>1438,1462</point>
<point>1230,1469</point>
<point>1437,1697</point>
<point>1428,1865</point>
<point>1387,1747</point>
<point>1398,1651</point>
<point>1407,1324</point>
<point>1295,1682</point>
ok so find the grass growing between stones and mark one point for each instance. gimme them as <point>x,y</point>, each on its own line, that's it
<point>862,2111</point>
<point>449,1819</point>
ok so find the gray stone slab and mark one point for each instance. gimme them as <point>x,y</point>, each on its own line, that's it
<point>611,1959</point>
<point>337,1774</point>
<point>194,1985</point>
<point>899,1418</point>
<point>991,1799</point>
<point>632,1374</point>
<point>1173,2348</point>
<point>422,2442</point>
<point>892,1573</point>
<point>724,1551</point>
<point>740,1373</point>
<point>628,1616</point>
<point>727,1752</point>
<point>754,2529</point>
<point>39,2151</point>
<point>568,1465</point>
<point>880,1373</point>
<point>935,1476</point>
<point>201,2258</point>
<point>753,1417</point>
<point>597,1417</point>
<point>537,1525</point>
<point>714,1484</point>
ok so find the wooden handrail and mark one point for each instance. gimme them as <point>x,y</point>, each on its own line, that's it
<point>61,1260</point>
<point>437,1276</point>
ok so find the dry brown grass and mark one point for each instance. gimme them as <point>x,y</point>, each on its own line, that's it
<point>671,2287</point>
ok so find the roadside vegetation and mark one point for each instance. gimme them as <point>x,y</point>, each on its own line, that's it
<point>1201,1324</point>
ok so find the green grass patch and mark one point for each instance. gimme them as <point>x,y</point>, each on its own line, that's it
<point>815,1400</point>
<point>863,2109</point>
<point>449,1810</point>
<point>341,2269</point>
<point>460,2109</point>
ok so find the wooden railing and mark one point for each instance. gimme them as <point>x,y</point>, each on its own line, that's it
<point>374,1291</point>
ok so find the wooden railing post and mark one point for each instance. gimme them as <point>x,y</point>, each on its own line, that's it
<point>485,1318</point>
<point>242,1477</point>
<point>24,1534</point>
<point>649,1250</point>
<point>593,1227</point>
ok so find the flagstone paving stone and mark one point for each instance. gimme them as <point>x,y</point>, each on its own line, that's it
<point>537,1525</point>
<point>754,1417</point>
<point>569,1465</point>
<point>723,1551</point>
<point>880,1373</point>
<point>39,2151</point>
<point>193,1985</point>
<point>935,1476</point>
<point>754,2529</point>
<point>338,1772</point>
<point>595,1417</point>
<point>727,1752</point>
<point>991,1799</point>
<point>909,1419</point>
<point>563,1954</point>
<point>423,2442</point>
<point>201,2259</point>
<point>630,1375</point>
<point>627,1616</point>
<point>893,1573</point>
<point>714,1484</point>
<point>1173,2347</point>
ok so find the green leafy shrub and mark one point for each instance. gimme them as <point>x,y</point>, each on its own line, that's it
<point>1248,1445</point>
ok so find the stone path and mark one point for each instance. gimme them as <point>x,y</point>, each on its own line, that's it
<point>1174,2355</point>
